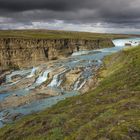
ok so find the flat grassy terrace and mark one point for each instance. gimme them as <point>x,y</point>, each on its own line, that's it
<point>52,34</point>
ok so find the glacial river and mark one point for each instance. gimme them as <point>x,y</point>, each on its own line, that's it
<point>85,63</point>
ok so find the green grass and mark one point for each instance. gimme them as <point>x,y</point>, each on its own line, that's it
<point>110,112</point>
<point>51,34</point>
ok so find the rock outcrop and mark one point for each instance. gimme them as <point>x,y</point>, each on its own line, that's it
<point>21,52</point>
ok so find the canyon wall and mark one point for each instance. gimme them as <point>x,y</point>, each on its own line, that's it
<point>21,52</point>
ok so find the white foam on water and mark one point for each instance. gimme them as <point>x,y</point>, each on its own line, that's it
<point>123,42</point>
<point>99,61</point>
<point>41,79</point>
<point>56,82</point>
<point>44,77</point>
<point>80,53</point>
<point>32,72</point>
<point>19,72</point>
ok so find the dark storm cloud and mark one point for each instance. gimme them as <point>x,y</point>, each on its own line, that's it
<point>55,5</point>
<point>122,13</point>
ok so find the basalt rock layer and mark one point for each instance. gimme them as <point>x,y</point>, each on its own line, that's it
<point>22,52</point>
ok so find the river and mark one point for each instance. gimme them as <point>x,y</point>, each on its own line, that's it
<point>80,67</point>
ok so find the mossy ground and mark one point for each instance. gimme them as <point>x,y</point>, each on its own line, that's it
<point>110,112</point>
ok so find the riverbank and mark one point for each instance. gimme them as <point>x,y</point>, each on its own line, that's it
<point>111,111</point>
<point>32,90</point>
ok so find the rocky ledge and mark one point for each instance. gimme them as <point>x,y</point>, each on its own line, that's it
<point>19,52</point>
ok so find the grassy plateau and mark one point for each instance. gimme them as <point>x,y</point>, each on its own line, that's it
<point>110,112</point>
<point>52,34</point>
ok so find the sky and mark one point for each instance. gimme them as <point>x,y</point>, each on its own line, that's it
<point>104,16</point>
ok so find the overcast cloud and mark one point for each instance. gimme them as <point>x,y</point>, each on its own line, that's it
<point>119,16</point>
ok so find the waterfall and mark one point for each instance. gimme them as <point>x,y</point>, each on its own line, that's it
<point>123,42</point>
<point>44,77</point>
<point>32,72</point>
<point>56,80</point>
<point>87,64</point>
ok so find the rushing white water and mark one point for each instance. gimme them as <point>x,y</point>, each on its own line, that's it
<point>123,42</point>
<point>44,77</point>
<point>99,61</point>
<point>41,79</point>
<point>56,81</point>
<point>32,72</point>
<point>80,53</point>
<point>19,72</point>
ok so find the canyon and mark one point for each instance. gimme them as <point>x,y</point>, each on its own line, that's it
<point>24,52</point>
<point>38,73</point>
<point>41,72</point>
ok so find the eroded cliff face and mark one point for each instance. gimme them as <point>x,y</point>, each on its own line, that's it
<point>19,52</point>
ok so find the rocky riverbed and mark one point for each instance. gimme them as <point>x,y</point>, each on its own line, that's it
<point>33,89</point>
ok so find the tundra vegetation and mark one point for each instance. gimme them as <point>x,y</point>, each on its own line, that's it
<point>53,34</point>
<point>109,112</point>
